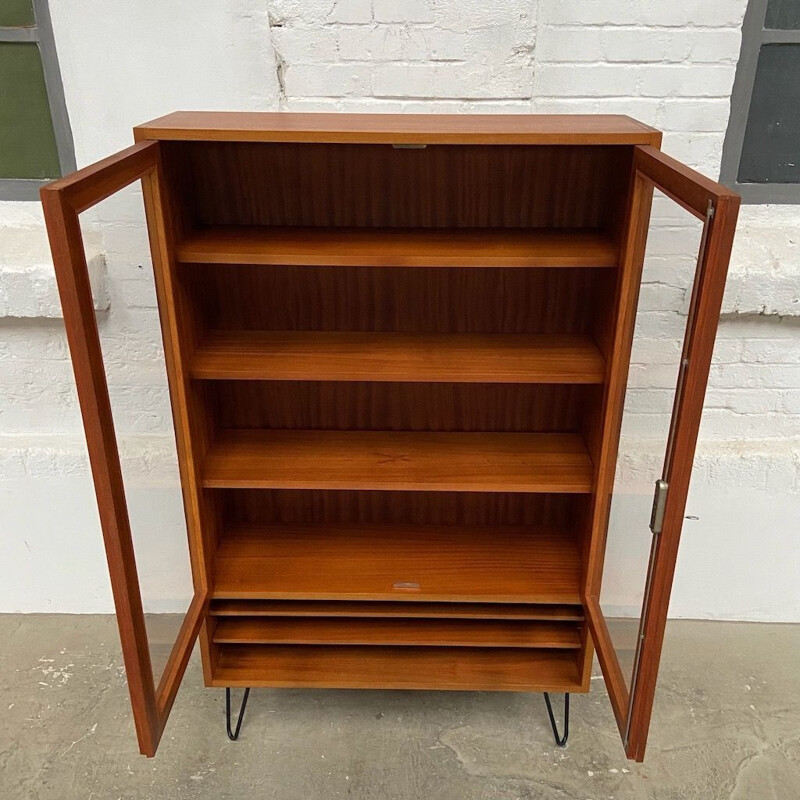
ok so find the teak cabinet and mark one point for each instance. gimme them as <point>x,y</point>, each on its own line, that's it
<point>397,350</point>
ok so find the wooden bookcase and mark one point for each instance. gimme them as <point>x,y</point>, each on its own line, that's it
<point>397,349</point>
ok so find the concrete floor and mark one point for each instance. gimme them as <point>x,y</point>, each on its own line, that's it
<point>726,725</point>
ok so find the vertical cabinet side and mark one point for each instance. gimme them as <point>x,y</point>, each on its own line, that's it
<point>164,198</point>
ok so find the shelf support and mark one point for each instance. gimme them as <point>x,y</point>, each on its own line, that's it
<point>561,740</point>
<point>233,735</point>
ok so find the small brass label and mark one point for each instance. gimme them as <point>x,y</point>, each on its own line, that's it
<point>406,585</point>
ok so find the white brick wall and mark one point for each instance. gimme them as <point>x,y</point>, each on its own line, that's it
<point>670,64</point>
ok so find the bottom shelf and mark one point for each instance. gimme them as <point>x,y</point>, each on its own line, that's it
<point>376,667</point>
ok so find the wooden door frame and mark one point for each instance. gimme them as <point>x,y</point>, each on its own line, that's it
<point>63,201</point>
<point>718,208</point>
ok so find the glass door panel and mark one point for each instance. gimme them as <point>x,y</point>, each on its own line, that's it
<point>668,324</point>
<point>155,658</point>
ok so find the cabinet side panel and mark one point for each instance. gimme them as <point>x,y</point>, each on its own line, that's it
<point>166,217</point>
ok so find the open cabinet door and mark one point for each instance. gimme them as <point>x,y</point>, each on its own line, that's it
<point>632,690</point>
<point>63,201</point>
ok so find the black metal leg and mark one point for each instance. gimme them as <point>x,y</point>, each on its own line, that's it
<point>560,740</point>
<point>233,735</point>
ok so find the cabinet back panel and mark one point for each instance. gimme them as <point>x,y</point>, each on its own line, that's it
<point>246,183</point>
<point>398,406</point>
<point>426,300</point>
<point>307,506</point>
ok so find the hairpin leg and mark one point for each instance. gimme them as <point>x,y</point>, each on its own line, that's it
<point>560,740</point>
<point>233,735</point>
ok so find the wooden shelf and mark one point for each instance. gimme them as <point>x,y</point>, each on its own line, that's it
<point>388,562</point>
<point>399,632</point>
<point>388,609</point>
<point>401,460</point>
<point>399,247</point>
<point>346,356</point>
<point>343,667</point>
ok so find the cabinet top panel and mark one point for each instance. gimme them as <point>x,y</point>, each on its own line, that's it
<point>247,126</point>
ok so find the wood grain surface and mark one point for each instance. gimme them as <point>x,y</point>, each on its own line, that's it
<point>399,247</point>
<point>454,668</point>
<point>399,128</point>
<point>400,460</point>
<point>416,562</point>
<point>402,632</point>
<point>354,356</point>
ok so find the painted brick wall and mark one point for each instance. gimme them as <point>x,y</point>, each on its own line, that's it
<point>669,64</point>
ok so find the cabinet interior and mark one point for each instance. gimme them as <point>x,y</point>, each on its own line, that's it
<point>396,363</point>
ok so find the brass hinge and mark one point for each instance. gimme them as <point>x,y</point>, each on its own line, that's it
<point>659,504</point>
